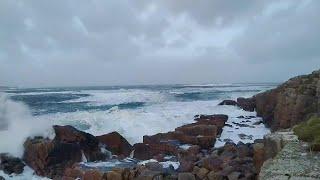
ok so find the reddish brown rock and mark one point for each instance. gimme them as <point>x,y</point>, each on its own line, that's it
<point>49,158</point>
<point>258,157</point>
<point>142,151</point>
<point>147,151</point>
<point>290,103</point>
<point>92,175</point>
<point>73,173</point>
<point>116,143</point>
<point>247,104</point>
<point>198,129</point>
<point>88,143</point>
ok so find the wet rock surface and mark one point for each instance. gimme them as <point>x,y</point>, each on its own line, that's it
<point>115,143</point>
<point>10,164</point>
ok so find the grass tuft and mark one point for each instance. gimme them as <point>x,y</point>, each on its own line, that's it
<point>310,132</point>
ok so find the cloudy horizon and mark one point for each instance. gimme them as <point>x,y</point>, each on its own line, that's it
<point>122,42</point>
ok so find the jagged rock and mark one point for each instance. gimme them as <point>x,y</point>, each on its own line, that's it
<point>88,143</point>
<point>247,104</point>
<point>116,143</point>
<point>50,158</point>
<point>11,164</point>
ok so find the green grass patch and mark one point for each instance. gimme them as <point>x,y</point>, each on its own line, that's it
<point>310,132</point>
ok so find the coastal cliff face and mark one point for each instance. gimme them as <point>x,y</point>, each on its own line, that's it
<point>291,103</point>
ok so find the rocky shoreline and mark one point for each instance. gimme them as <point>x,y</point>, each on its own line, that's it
<point>188,152</point>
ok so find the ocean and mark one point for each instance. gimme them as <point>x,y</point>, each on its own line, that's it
<point>133,111</point>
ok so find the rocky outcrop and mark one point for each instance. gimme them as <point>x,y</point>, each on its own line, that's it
<point>247,104</point>
<point>290,103</point>
<point>202,133</point>
<point>11,164</point>
<point>115,143</point>
<point>50,157</point>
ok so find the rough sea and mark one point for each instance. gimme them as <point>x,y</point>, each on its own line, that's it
<point>133,111</point>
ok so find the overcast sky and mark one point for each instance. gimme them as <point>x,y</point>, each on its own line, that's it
<point>116,42</point>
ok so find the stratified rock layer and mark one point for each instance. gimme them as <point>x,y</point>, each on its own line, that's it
<point>290,103</point>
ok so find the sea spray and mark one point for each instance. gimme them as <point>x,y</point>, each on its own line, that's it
<point>17,124</point>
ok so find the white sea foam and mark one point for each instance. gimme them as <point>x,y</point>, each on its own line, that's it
<point>133,124</point>
<point>28,174</point>
<point>103,97</point>
<point>253,131</point>
<point>18,124</point>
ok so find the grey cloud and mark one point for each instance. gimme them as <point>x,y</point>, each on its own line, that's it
<point>290,34</point>
<point>69,42</point>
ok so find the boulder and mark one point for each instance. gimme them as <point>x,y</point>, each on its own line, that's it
<point>88,143</point>
<point>247,104</point>
<point>11,164</point>
<point>48,158</point>
<point>144,151</point>
<point>51,157</point>
<point>116,143</point>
